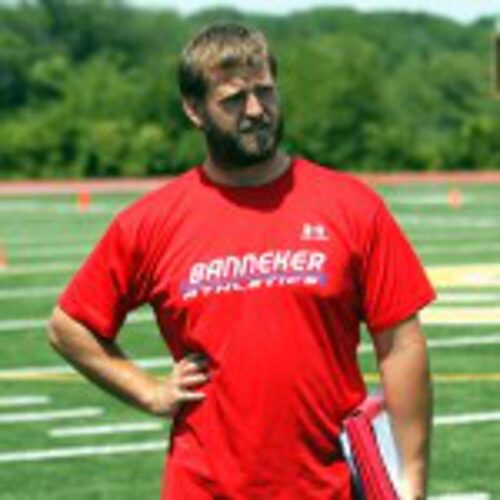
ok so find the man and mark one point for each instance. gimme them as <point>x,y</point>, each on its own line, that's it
<point>259,268</point>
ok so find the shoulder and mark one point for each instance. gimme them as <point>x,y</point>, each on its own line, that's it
<point>339,188</point>
<point>155,206</point>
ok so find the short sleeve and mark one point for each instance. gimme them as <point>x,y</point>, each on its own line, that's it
<point>394,283</point>
<point>102,291</point>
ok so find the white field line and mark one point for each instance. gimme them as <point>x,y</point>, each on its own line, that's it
<point>82,451</point>
<point>470,298</point>
<point>443,297</point>
<point>468,341</point>
<point>12,242</point>
<point>166,362</point>
<point>450,343</point>
<point>43,416</point>
<point>467,418</point>
<point>32,292</point>
<point>493,321</point>
<point>441,199</point>
<point>435,316</point>
<point>99,430</point>
<point>41,242</point>
<point>55,208</point>
<point>89,451</point>
<point>463,249</point>
<point>462,496</point>
<point>464,341</point>
<point>48,268</point>
<point>44,268</point>
<point>148,363</point>
<point>37,252</point>
<point>434,199</point>
<point>157,426</point>
<point>15,401</point>
<point>462,221</point>
<point>463,419</point>
<point>435,238</point>
<point>11,325</point>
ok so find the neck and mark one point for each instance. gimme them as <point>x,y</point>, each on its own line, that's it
<point>254,175</point>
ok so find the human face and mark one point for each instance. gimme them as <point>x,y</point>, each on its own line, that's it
<point>241,119</point>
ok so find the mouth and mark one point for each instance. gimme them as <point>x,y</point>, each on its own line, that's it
<point>255,128</point>
<point>259,130</point>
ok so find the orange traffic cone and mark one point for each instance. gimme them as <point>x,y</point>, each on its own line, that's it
<point>83,201</point>
<point>3,257</point>
<point>455,198</point>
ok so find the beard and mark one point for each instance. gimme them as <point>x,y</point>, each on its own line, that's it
<point>253,141</point>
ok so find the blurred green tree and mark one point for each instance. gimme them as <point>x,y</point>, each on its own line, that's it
<point>88,87</point>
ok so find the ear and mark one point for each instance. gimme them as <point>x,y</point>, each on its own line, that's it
<point>193,112</point>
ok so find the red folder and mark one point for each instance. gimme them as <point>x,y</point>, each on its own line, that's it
<point>371,451</point>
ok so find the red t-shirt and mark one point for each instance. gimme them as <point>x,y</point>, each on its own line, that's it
<point>271,283</point>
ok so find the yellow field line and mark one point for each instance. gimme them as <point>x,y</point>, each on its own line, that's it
<point>468,275</point>
<point>466,315</point>
<point>43,377</point>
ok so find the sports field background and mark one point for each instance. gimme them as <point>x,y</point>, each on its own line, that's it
<point>61,438</point>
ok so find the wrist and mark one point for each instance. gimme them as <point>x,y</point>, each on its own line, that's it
<point>412,488</point>
<point>156,400</point>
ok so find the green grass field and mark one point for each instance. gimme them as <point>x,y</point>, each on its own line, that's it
<point>45,238</point>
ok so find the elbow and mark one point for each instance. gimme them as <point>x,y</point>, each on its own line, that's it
<point>52,333</point>
<point>55,331</point>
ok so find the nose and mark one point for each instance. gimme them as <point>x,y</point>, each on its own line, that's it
<point>253,107</point>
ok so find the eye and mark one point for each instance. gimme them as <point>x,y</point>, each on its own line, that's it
<point>265,93</point>
<point>234,100</point>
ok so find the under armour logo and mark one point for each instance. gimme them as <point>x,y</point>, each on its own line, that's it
<point>314,232</point>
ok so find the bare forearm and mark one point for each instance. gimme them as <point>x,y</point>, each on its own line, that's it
<point>409,401</point>
<point>101,362</point>
<point>408,393</point>
<point>107,366</point>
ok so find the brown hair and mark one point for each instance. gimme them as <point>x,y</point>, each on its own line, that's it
<point>223,46</point>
